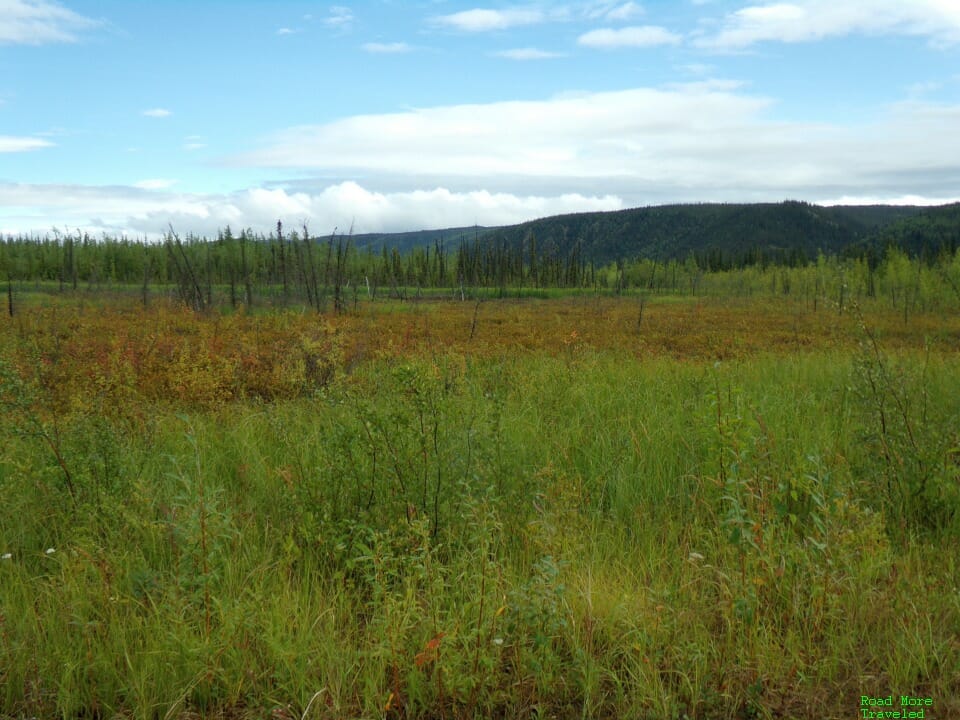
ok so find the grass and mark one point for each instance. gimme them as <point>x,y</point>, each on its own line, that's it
<point>730,511</point>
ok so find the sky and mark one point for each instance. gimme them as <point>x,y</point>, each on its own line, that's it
<point>128,117</point>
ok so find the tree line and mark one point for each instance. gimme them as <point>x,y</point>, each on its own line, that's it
<point>296,267</point>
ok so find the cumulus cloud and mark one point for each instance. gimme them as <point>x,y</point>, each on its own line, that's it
<point>708,140</point>
<point>810,20</point>
<point>136,211</point>
<point>157,113</point>
<point>635,36</point>
<point>12,144</point>
<point>527,54</point>
<point>386,48</point>
<point>482,20</point>
<point>36,22</point>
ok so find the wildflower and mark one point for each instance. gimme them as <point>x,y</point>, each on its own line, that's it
<point>6,556</point>
<point>49,551</point>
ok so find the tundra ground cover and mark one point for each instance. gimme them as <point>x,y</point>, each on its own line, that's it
<point>580,507</point>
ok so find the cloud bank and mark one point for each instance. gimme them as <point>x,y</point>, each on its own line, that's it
<point>147,210</point>
<point>696,141</point>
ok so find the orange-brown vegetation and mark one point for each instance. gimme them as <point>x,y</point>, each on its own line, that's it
<point>169,354</point>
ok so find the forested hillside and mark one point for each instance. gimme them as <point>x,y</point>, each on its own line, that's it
<point>403,242</point>
<point>718,235</point>
<point>568,251</point>
<point>925,234</point>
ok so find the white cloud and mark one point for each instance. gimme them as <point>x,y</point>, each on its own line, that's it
<point>527,54</point>
<point>487,19</point>
<point>35,22</point>
<point>810,20</point>
<point>36,208</point>
<point>627,11</point>
<point>562,136</point>
<point>154,184</point>
<point>157,113</point>
<point>287,31</point>
<point>890,200</point>
<point>698,141</point>
<point>386,48</point>
<point>634,36</point>
<point>11,144</point>
<point>482,20</point>
<point>339,17</point>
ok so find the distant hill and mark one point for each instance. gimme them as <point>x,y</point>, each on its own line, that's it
<point>779,231</point>
<point>925,233</point>
<point>724,234</point>
<point>405,241</point>
<point>876,216</point>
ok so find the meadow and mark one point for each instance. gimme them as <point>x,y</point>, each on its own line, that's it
<point>581,506</point>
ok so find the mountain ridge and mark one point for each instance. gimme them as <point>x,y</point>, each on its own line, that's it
<point>789,231</point>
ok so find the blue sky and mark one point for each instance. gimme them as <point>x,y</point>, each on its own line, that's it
<point>127,116</point>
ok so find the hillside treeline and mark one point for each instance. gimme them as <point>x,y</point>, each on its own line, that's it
<point>724,236</point>
<point>911,259</point>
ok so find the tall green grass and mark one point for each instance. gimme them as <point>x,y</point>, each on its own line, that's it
<point>588,535</point>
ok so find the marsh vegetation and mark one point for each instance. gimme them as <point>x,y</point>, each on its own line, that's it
<point>732,495</point>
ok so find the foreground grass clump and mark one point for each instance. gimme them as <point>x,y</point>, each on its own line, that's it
<point>446,526</point>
